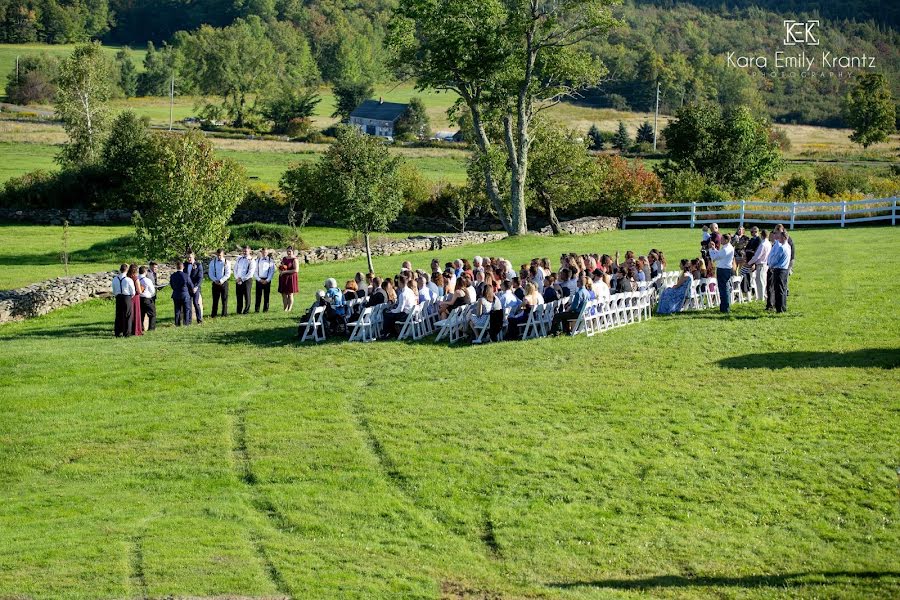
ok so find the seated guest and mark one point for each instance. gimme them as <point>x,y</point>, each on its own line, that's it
<point>517,289</point>
<point>436,285</point>
<point>481,315</point>
<point>378,295</point>
<point>458,298</point>
<point>550,294</point>
<point>406,300</point>
<point>425,293</point>
<point>508,298</point>
<point>470,289</point>
<point>478,286</point>
<point>672,299</point>
<point>350,289</point>
<point>567,317</point>
<point>600,285</point>
<point>643,268</point>
<point>529,302</point>
<point>335,307</point>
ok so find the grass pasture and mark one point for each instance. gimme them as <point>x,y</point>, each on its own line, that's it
<point>691,456</point>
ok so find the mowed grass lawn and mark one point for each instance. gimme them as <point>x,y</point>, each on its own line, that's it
<point>691,456</point>
<point>32,253</point>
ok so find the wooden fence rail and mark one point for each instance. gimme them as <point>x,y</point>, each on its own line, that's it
<point>752,212</point>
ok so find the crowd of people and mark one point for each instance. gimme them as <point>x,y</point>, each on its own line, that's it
<point>496,290</point>
<point>135,288</point>
<point>502,297</point>
<point>764,262</point>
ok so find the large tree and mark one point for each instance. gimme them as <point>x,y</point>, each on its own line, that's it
<point>83,90</point>
<point>562,172</point>
<point>870,110</point>
<point>506,60</point>
<point>731,148</point>
<point>246,63</point>
<point>362,184</point>
<point>190,195</point>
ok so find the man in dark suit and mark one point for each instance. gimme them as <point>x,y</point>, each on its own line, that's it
<point>181,296</point>
<point>194,271</point>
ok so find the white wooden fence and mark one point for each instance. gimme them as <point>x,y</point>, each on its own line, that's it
<point>751,212</point>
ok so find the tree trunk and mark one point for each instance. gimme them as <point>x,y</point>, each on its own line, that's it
<point>551,216</point>
<point>368,252</point>
<point>484,144</point>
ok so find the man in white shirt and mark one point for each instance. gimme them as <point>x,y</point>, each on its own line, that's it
<point>244,272</point>
<point>722,253</point>
<point>148,299</point>
<point>406,301</point>
<point>265,270</point>
<point>219,274</point>
<point>123,290</point>
<point>508,298</point>
<point>759,262</point>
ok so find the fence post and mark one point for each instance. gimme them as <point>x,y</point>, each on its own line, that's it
<point>843,212</point>
<point>694,211</point>
<point>743,203</point>
<point>793,213</point>
<point>624,219</point>
<point>894,211</point>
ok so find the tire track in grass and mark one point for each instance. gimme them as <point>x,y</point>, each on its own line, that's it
<point>258,501</point>
<point>136,566</point>
<point>392,473</point>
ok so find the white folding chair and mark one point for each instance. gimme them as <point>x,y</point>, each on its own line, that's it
<point>314,327</point>
<point>532,326</point>
<point>361,330</point>
<point>445,326</point>
<point>737,294</point>
<point>409,327</point>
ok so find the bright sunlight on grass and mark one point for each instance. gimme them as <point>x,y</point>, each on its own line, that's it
<point>691,456</point>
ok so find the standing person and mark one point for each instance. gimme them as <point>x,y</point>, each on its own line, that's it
<point>194,271</point>
<point>181,296</point>
<point>723,255</point>
<point>287,279</point>
<point>137,319</point>
<point>265,269</point>
<point>123,290</point>
<point>779,268</point>
<point>148,298</point>
<point>759,262</point>
<point>244,272</point>
<point>219,274</point>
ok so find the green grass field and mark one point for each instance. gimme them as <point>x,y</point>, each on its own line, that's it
<point>691,456</point>
<point>30,253</point>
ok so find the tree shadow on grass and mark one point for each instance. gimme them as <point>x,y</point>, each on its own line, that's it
<point>881,358</point>
<point>749,582</point>
<point>109,251</point>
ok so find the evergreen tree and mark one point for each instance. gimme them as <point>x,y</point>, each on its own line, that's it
<point>621,141</point>
<point>595,137</point>
<point>127,72</point>
<point>645,133</point>
<point>348,95</point>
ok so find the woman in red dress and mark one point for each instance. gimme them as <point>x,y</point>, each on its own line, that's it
<point>287,279</point>
<point>136,300</point>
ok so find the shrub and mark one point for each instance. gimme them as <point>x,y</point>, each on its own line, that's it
<point>624,186</point>
<point>780,137</point>
<point>798,187</point>
<point>262,197</point>
<point>684,186</point>
<point>257,235</point>
<point>832,181</point>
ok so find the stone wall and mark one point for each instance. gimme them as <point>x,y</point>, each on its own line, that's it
<point>47,296</point>
<point>75,216</point>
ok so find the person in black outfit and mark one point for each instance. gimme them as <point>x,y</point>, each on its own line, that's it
<point>181,295</point>
<point>194,270</point>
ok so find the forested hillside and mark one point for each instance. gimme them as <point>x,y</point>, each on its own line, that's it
<point>683,46</point>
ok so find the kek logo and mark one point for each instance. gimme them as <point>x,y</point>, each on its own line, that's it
<point>800,32</point>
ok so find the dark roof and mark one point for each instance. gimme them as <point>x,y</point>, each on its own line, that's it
<point>381,111</point>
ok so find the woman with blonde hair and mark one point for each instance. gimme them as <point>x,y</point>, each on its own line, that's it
<point>531,300</point>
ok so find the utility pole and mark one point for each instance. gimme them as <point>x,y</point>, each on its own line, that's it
<point>656,118</point>
<point>171,100</point>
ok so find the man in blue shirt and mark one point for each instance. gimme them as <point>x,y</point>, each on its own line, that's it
<point>579,300</point>
<point>779,266</point>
